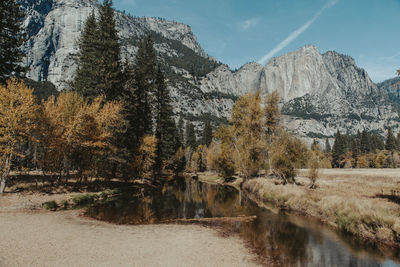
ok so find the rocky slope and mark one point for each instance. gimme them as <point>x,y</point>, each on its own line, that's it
<point>320,92</point>
<point>53,28</point>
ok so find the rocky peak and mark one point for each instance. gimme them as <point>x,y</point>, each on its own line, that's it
<point>53,28</point>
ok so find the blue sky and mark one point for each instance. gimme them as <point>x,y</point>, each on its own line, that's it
<point>239,31</point>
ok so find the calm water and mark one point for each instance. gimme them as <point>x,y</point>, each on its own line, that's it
<point>284,240</point>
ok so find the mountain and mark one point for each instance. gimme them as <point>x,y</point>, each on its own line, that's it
<point>320,92</point>
<point>392,87</point>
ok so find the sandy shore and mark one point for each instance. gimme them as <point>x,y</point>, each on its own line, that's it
<point>63,238</point>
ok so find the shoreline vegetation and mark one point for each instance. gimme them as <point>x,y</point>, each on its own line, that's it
<point>362,202</point>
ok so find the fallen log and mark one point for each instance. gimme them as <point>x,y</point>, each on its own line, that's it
<point>240,218</point>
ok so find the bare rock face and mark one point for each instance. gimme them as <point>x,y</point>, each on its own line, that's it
<point>320,92</point>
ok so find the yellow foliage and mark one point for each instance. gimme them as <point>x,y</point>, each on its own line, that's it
<point>146,156</point>
<point>248,134</point>
<point>18,114</point>
<point>73,130</point>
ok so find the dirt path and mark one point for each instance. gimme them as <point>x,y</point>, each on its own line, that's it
<point>42,238</point>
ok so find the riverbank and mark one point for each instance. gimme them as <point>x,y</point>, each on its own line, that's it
<point>31,236</point>
<point>362,202</point>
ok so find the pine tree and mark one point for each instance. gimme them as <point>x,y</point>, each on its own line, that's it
<point>11,39</point>
<point>190,136</point>
<point>167,139</point>
<point>390,141</point>
<point>86,78</point>
<point>181,131</point>
<point>339,148</point>
<point>328,148</point>
<point>365,145</point>
<point>99,69</point>
<point>110,70</point>
<point>207,133</point>
<point>143,86</point>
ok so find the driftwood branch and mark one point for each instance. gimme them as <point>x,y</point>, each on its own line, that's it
<point>241,218</point>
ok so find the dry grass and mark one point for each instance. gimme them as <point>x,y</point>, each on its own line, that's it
<point>357,201</point>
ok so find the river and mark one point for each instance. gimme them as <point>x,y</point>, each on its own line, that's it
<point>280,239</point>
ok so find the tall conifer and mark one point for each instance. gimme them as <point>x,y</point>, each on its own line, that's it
<point>143,86</point>
<point>390,141</point>
<point>207,133</point>
<point>87,74</point>
<point>11,39</point>
<point>190,136</point>
<point>165,123</point>
<point>110,70</point>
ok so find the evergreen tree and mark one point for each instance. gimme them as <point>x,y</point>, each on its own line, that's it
<point>99,69</point>
<point>167,139</point>
<point>143,85</point>
<point>390,141</point>
<point>110,70</point>
<point>181,131</point>
<point>398,141</point>
<point>365,145</point>
<point>338,149</point>
<point>207,133</point>
<point>328,148</point>
<point>11,38</point>
<point>190,136</point>
<point>86,78</point>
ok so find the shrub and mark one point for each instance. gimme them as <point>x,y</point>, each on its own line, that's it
<point>50,205</point>
<point>64,204</point>
<point>84,200</point>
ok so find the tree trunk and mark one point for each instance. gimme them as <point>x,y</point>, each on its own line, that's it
<point>2,185</point>
<point>7,167</point>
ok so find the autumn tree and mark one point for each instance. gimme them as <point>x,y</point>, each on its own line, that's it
<point>272,117</point>
<point>224,161</point>
<point>247,129</point>
<point>313,167</point>
<point>287,154</point>
<point>18,114</point>
<point>77,134</point>
<point>145,158</point>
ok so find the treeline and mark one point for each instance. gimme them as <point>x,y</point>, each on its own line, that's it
<point>364,150</point>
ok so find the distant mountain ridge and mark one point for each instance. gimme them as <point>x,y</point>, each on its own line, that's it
<point>320,92</point>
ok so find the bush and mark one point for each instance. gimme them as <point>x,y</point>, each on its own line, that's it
<point>50,205</point>
<point>84,200</point>
<point>64,204</point>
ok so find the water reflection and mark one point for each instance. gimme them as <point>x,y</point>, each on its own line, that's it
<point>281,239</point>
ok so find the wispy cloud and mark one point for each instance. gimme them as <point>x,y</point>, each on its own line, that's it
<point>296,33</point>
<point>247,24</point>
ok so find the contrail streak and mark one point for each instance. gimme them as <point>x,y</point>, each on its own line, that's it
<point>296,33</point>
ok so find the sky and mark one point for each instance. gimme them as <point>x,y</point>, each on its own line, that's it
<point>239,31</point>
